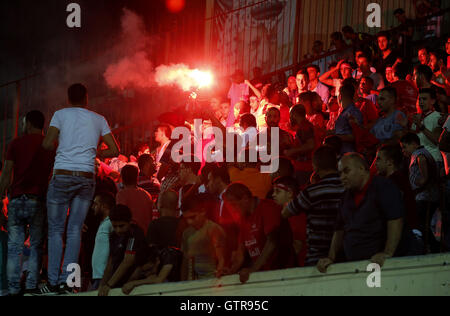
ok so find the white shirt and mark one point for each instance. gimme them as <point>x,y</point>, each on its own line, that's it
<point>161,152</point>
<point>101,249</point>
<point>79,134</point>
<point>431,121</point>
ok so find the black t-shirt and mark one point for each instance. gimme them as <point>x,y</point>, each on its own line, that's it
<point>132,243</point>
<point>169,255</point>
<point>174,257</point>
<point>162,232</point>
<point>382,63</point>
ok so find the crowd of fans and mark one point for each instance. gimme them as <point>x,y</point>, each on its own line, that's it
<point>363,174</point>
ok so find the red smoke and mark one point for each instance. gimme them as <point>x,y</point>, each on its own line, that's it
<point>134,69</point>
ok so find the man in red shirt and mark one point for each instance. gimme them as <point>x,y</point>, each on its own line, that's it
<point>26,176</point>
<point>406,91</point>
<point>138,200</point>
<point>259,233</point>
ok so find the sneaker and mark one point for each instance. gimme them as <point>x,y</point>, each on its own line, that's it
<point>46,290</point>
<point>64,289</point>
<point>31,292</point>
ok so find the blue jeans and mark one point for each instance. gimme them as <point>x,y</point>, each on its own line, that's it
<point>64,193</point>
<point>3,255</point>
<point>446,216</point>
<point>23,212</point>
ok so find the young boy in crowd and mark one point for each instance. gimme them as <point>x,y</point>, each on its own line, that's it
<point>285,190</point>
<point>203,241</point>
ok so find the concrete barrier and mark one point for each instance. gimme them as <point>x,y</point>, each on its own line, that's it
<point>424,276</point>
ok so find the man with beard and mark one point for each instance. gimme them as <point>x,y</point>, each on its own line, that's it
<point>273,117</point>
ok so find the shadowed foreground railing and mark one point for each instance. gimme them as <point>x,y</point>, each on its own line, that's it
<point>425,275</point>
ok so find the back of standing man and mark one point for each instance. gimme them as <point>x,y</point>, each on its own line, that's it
<point>78,132</point>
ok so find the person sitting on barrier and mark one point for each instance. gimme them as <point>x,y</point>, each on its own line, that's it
<point>161,266</point>
<point>128,250</point>
<point>369,224</point>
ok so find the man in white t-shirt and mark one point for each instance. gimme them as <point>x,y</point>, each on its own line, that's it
<point>78,132</point>
<point>426,125</point>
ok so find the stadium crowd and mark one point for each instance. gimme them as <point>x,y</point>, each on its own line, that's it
<point>364,174</point>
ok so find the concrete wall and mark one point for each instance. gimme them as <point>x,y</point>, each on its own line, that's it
<point>418,276</point>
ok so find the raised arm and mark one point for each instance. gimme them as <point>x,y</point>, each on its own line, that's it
<point>254,89</point>
<point>113,148</point>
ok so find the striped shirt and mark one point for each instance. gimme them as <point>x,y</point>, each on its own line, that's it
<point>321,203</point>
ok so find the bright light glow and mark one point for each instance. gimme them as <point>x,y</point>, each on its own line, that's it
<point>203,79</point>
<point>187,79</point>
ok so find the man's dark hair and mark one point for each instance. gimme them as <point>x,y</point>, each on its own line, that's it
<point>334,142</point>
<point>77,94</point>
<point>337,36</point>
<point>36,119</point>
<point>167,130</point>
<point>143,160</point>
<point>130,175</point>
<point>193,165</point>
<point>422,47</point>
<point>391,90</point>
<point>401,70</point>
<point>303,72</point>
<point>107,199</point>
<point>347,91</point>
<point>410,138</point>
<point>369,79</point>
<point>350,81</point>
<point>317,68</point>
<point>425,71</point>
<point>238,191</point>
<point>348,29</point>
<point>399,11</point>
<point>429,91</point>
<point>384,34</point>
<point>120,213</point>
<point>394,154</point>
<point>248,120</point>
<point>299,110</point>
<point>222,174</point>
<point>274,109</point>
<point>289,182</point>
<point>325,158</point>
